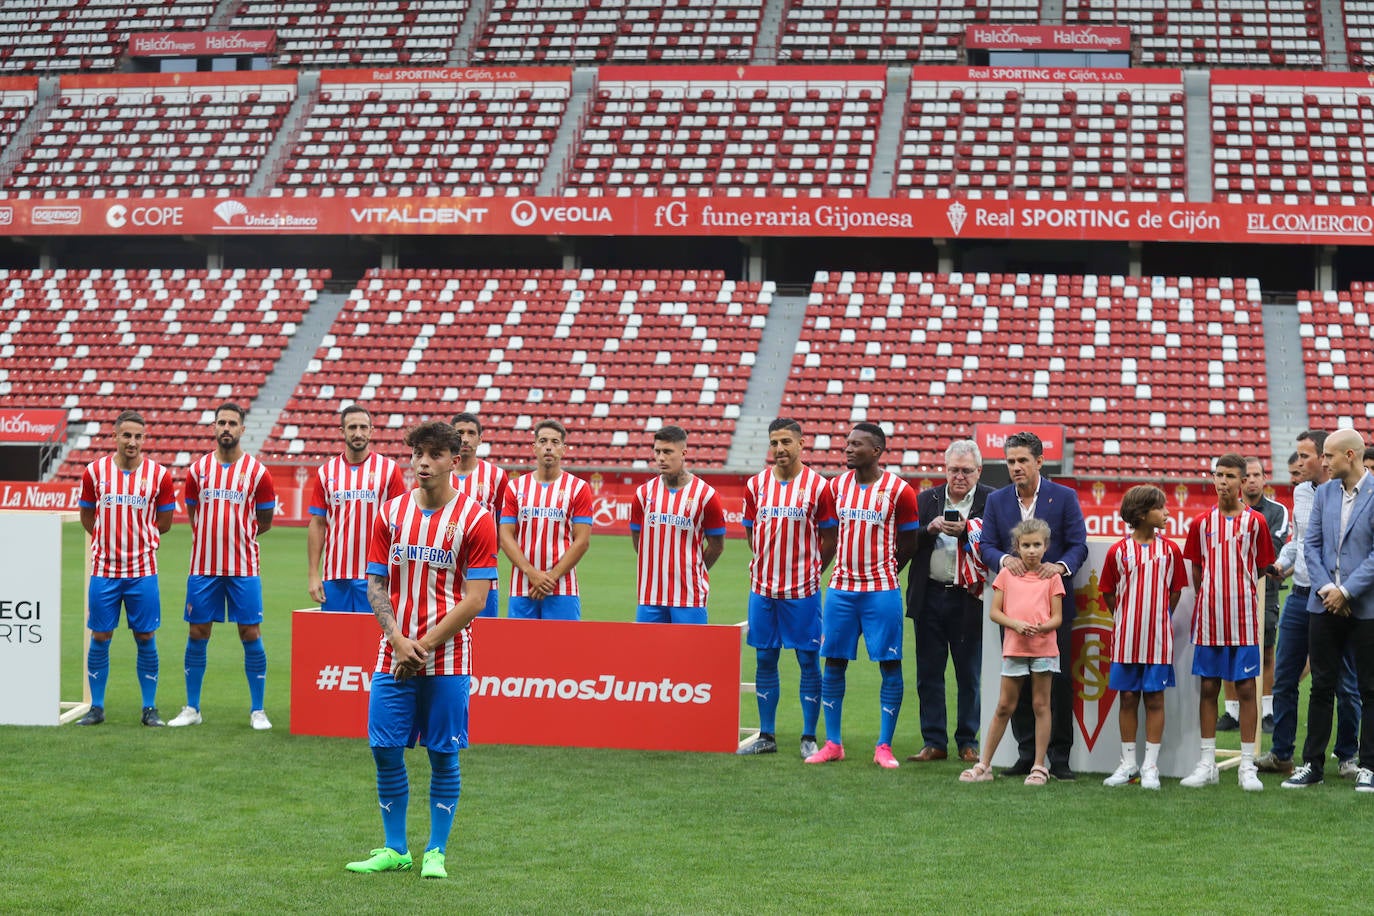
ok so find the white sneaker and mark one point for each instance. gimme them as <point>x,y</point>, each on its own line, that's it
<point>258,719</point>
<point>1149,778</point>
<point>189,715</point>
<point>1124,774</point>
<point>808,747</point>
<point>1204,775</point>
<point>1248,776</point>
<point>1350,768</point>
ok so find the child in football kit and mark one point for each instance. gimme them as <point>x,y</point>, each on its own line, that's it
<point>1029,608</point>
<point>1142,579</point>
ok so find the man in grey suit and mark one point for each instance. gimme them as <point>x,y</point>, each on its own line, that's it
<point>1339,549</point>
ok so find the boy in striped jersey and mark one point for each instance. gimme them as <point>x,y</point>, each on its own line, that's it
<point>430,563</point>
<point>678,531</point>
<point>546,527</point>
<point>230,499</point>
<point>481,480</point>
<point>1227,547</point>
<point>344,499</point>
<point>126,506</point>
<point>878,525</point>
<point>789,514</point>
<point>1142,578</point>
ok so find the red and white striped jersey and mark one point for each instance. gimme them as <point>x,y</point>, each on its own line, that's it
<point>870,516</point>
<point>347,496</point>
<point>485,483</point>
<point>426,556</point>
<point>672,525</point>
<point>226,499</point>
<point>544,515</point>
<point>1143,576</point>
<point>784,518</point>
<point>126,503</point>
<point>1232,552</point>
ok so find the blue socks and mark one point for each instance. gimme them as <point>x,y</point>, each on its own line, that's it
<point>255,666</point>
<point>195,670</point>
<point>890,698</point>
<point>146,667</point>
<point>832,697</point>
<point>98,669</point>
<point>810,664</point>
<point>393,794</point>
<point>766,685</point>
<point>445,782</point>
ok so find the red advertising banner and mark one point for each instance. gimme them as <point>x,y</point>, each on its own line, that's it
<point>959,76</point>
<point>1048,37</point>
<point>202,44</point>
<point>448,75</point>
<point>265,78</point>
<point>22,496</point>
<point>543,682</point>
<point>959,217</point>
<point>32,426</point>
<point>992,438</point>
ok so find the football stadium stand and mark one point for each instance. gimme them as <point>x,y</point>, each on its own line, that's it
<point>883,31</point>
<point>358,33</point>
<point>54,36</point>
<point>614,354</point>
<point>1338,360</point>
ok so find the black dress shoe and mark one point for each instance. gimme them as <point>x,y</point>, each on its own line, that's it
<point>1021,767</point>
<point>1061,772</point>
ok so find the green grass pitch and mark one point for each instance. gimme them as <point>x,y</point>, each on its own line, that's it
<point>219,818</point>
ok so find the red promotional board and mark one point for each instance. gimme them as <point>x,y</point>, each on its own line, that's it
<point>33,426</point>
<point>957,217</point>
<point>202,44</point>
<point>1048,37</point>
<point>543,682</point>
<point>18,495</point>
<point>992,438</point>
<point>438,74</point>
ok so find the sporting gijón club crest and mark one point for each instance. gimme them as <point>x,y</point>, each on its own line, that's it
<point>1091,649</point>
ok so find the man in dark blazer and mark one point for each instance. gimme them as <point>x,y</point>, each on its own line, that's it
<point>1030,495</point>
<point>946,607</point>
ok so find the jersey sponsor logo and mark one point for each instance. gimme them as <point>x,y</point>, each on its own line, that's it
<point>872,516</point>
<point>422,553</point>
<point>670,519</point>
<point>795,513</point>
<point>224,493</point>
<point>339,497</point>
<point>125,499</point>
<point>555,513</point>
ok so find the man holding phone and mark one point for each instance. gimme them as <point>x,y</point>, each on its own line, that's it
<point>944,601</point>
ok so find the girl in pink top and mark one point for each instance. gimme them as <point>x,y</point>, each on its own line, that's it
<point>1029,607</point>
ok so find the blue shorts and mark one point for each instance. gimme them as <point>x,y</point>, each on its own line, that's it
<point>785,623</point>
<point>217,598</point>
<point>493,606</point>
<point>662,613</point>
<point>346,595</point>
<point>554,607</point>
<point>142,604</point>
<point>1140,677</point>
<point>878,615</point>
<point>1230,663</point>
<point>430,708</point>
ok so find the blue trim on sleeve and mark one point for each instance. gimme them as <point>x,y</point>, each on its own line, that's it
<point>84,504</point>
<point>485,573</point>
<point>714,532</point>
<point>167,508</point>
<point>510,520</point>
<point>832,523</point>
<point>263,507</point>
<point>192,502</point>
<point>582,520</point>
<point>635,527</point>
<point>909,526</point>
<point>748,523</point>
<point>378,569</point>
<point>318,512</point>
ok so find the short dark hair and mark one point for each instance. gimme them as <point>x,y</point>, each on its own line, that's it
<point>1369,453</point>
<point>784,423</point>
<point>230,405</point>
<point>1295,457</point>
<point>129,416</point>
<point>553,425</point>
<point>466,417</point>
<point>1025,439</point>
<point>874,430</point>
<point>431,434</point>
<point>353,408</point>
<point>1138,501</point>
<point>1315,436</point>
<point>671,433</point>
<point>1233,461</point>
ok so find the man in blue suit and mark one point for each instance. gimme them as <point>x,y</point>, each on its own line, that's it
<point>1339,549</point>
<point>1030,495</point>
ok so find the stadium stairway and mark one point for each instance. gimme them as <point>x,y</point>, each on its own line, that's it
<point>307,94</point>
<point>882,179</point>
<point>1197,126</point>
<point>13,153</point>
<point>290,368</point>
<point>569,129</point>
<point>468,30</point>
<point>223,16</point>
<point>1283,365</point>
<point>1333,25</point>
<point>770,32</point>
<point>766,383</point>
<point>1051,11</point>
